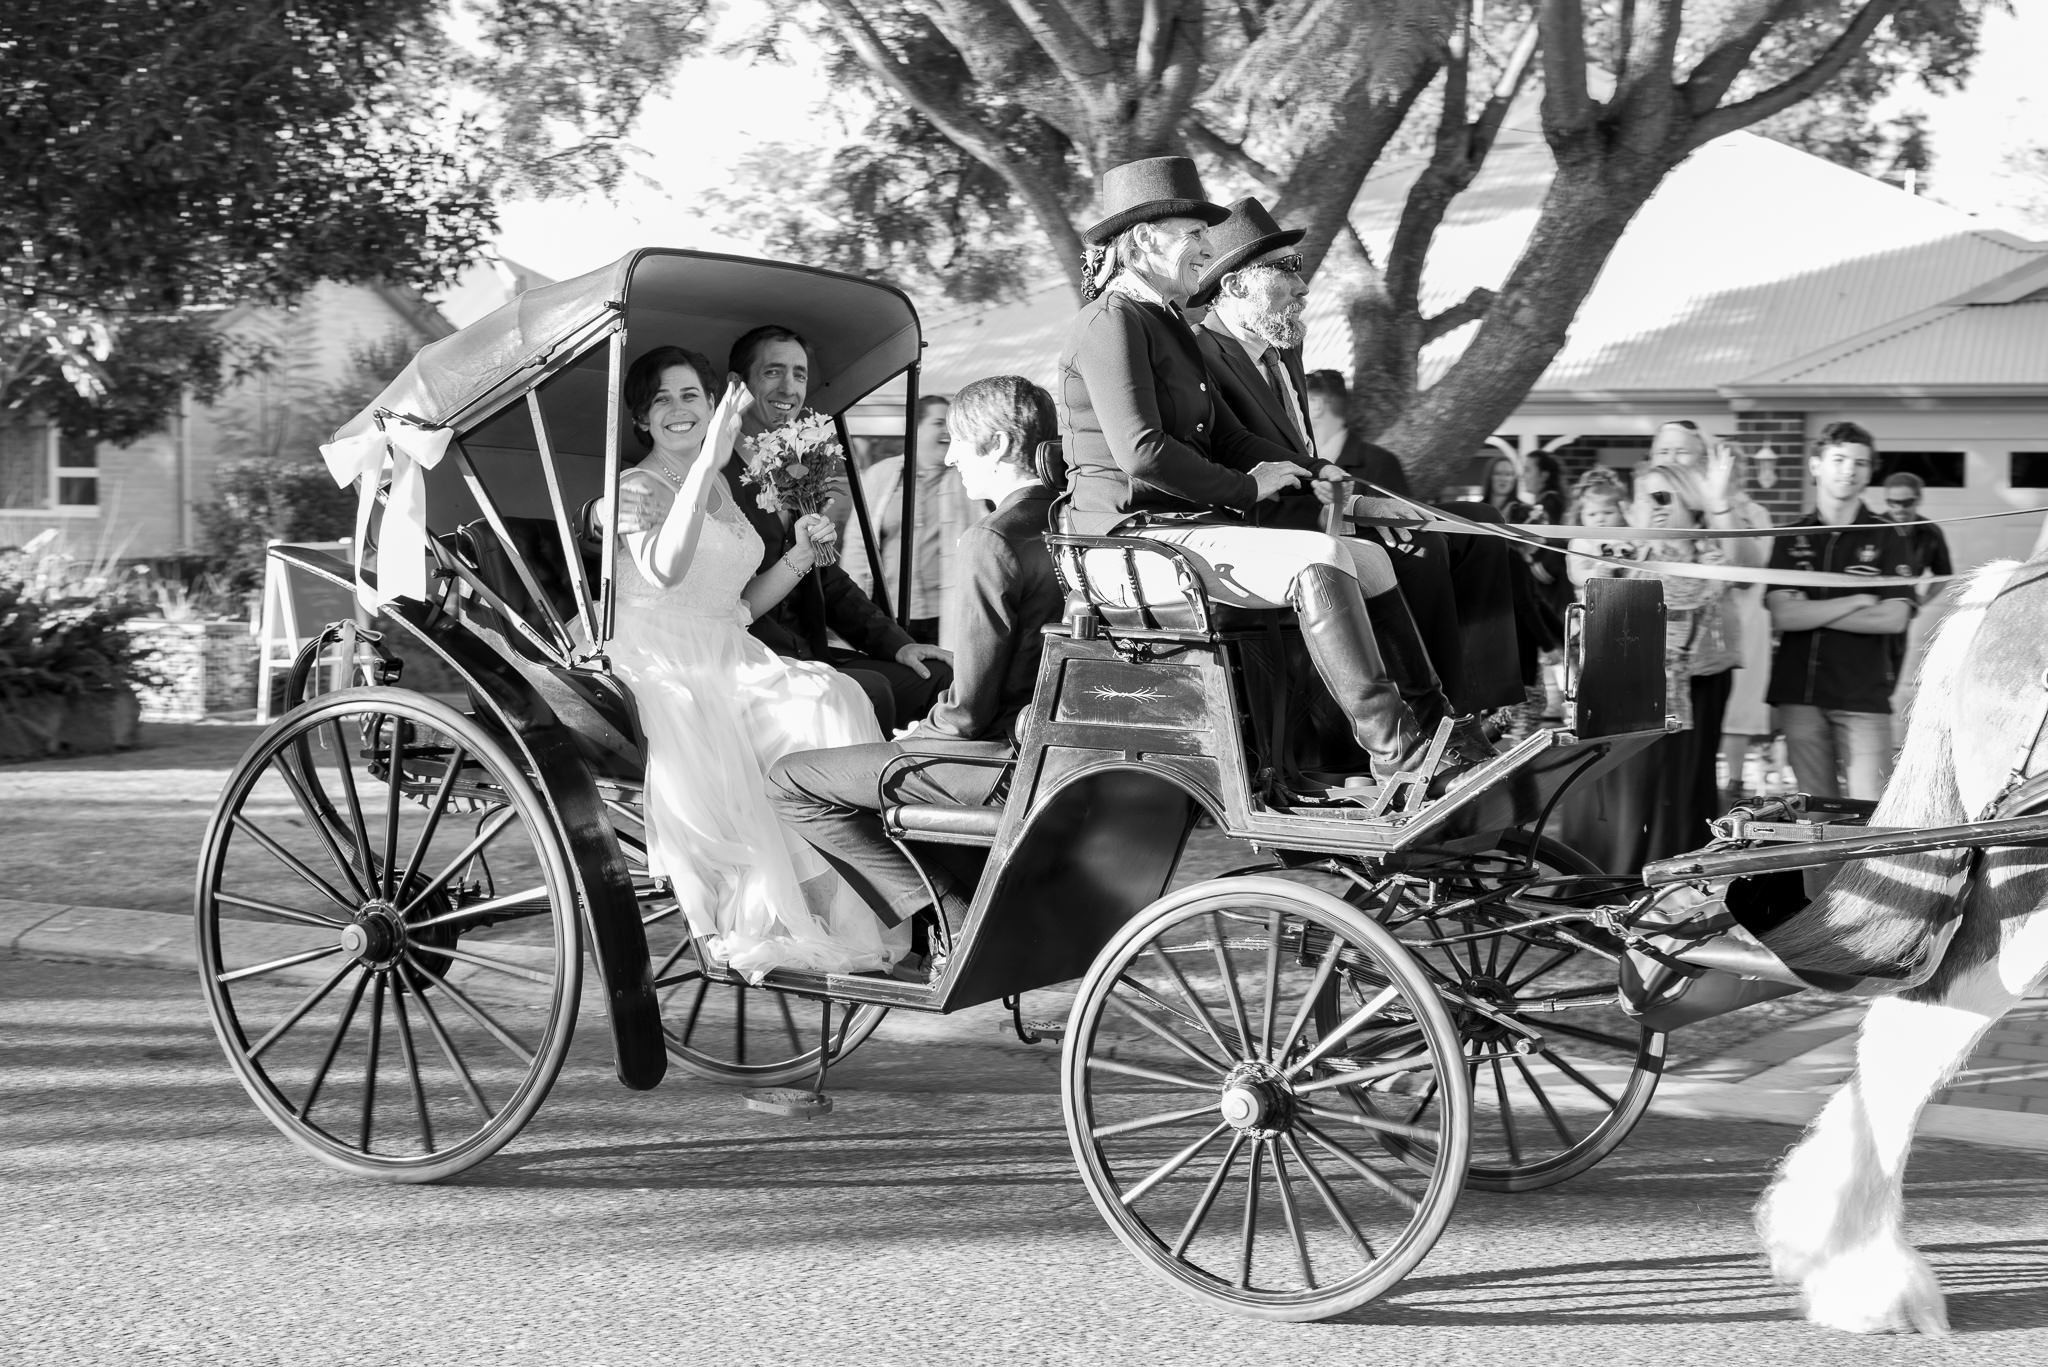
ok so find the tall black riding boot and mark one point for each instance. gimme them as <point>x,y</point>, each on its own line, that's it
<point>1339,637</point>
<point>1409,666</point>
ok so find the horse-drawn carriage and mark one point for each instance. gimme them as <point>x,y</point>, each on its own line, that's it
<point>1276,1080</point>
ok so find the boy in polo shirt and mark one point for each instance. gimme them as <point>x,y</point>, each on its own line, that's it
<point>1837,662</point>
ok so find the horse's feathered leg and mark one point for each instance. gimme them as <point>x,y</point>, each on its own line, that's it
<point>1831,1219</point>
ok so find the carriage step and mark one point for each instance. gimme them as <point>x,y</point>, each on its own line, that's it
<point>1031,1031</point>
<point>792,1103</point>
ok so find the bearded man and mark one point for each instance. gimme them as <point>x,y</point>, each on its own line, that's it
<point>1250,341</point>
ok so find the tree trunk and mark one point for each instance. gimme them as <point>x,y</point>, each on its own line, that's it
<point>1588,206</point>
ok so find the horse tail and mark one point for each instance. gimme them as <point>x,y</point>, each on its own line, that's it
<point>1880,916</point>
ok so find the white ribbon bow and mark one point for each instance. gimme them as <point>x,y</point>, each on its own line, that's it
<point>402,536</point>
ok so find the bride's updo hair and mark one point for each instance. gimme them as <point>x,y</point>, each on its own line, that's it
<point>643,378</point>
<point>1007,403</point>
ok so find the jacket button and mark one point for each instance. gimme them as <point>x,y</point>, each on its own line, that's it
<point>1203,387</point>
<point>1198,427</point>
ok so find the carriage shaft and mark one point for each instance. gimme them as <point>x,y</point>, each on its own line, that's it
<point>1813,854</point>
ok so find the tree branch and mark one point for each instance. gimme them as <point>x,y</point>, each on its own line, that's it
<point>963,128</point>
<point>1155,36</point>
<point>1467,310</point>
<point>1064,40</point>
<point>1232,154</point>
<point>1731,52</point>
<point>1791,91</point>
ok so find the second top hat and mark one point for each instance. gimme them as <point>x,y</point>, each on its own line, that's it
<point>1248,234</point>
<point>1149,190</point>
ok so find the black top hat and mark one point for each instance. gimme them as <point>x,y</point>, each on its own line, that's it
<point>1149,190</point>
<point>1247,234</point>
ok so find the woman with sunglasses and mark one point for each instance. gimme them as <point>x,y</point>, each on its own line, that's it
<point>1651,807</point>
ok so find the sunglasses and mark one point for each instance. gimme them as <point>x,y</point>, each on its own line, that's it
<point>1902,502</point>
<point>1663,498</point>
<point>1290,262</point>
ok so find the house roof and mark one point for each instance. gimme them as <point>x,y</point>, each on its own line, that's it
<point>1986,342</point>
<point>1750,255</point>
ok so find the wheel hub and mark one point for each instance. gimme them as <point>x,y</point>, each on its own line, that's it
<point>376,936</point>
<point>1256,1100</point>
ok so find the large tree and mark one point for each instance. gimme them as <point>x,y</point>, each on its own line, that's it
<point>167,156</point>
<point>1021,104</point>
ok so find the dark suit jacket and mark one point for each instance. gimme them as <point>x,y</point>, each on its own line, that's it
<point>1143,433</point>
<point>824,600</point>
<point>1244,390</point>
<point>1369,462</point>
<point>1007,594</point>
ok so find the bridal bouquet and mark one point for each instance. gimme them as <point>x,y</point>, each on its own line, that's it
<point>795,466</point>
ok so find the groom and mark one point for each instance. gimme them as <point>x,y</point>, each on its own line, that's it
<point>1008,594</point>
<point>900,676</point>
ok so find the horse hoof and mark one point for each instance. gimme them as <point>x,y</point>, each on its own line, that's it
<point>1877,1289</point>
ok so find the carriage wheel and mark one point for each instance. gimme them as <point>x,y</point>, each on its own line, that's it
<point>720,1031</point>
<point>1559,1074</point>
<point>1205,1104</point>
<point>398,1001</point>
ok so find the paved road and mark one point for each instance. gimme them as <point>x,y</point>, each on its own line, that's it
<point>151,1216</point>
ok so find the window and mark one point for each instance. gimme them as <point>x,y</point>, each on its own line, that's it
<point>1937,469</point>
<point>2029,470</point>
<point>42,470</point>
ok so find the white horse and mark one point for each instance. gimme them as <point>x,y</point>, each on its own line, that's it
<point>1830,1221</point>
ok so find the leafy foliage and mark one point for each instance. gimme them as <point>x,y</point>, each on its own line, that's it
<point>166,155</point>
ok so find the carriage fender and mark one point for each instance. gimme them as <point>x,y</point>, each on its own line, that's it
<point>604,887</point>
<point>1093,851</point>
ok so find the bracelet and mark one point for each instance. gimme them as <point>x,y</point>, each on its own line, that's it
<point>792,568</point>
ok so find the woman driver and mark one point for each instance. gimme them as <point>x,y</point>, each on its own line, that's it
<point>1150,453</point>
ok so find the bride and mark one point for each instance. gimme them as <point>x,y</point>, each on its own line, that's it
<point>717,706</point>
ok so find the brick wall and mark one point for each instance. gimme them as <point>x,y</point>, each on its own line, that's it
<point>1785,433</point>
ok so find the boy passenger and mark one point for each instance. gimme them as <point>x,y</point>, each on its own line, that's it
<point>1007,593</point>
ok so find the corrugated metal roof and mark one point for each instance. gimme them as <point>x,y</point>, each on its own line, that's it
<point>1750,255</point>
<point>1983,347</point>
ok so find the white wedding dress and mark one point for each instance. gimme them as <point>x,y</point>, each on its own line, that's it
<point>718,708</point>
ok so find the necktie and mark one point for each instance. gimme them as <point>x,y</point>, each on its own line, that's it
<point>1276,375</point>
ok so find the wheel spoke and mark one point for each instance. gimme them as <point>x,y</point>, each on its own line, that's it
<point>1249,1235</point>
<point>1229,974</point>
<point>1171,1165</point>
<point>475,1012</point>
<point>1165,1034</point>
<point>796,1041</point>
<point>298,1013</point>
<point>1275,925</point>
<point>355,804</point>
<point>1358,1077</point>
<point>739,1024</point>
<point>1585,1036</point>
<point>1507,1113</point>
<point>1209,1194</point>
<point>283,913</point>
<point>1370,1175</point>
<point>492,830</point>
<point>294,863</point>
<point>1375,1123</point>
<point>348,1014</point>
<point>1517,984</point>
<point>1153,1122</point>
<point>1324,969</point>
<point>1188,995</point>
<point>318,822</point>
<point>696,1005</point>
<point>257,970</point>
<point>370,1062</point>
<point>1336,1037</point>
<point>484,961</point>
<point>448,1051</point>
<point>1428,1095</point>
<point>394,801</point>
<point>1555,1060</point>
<point>534,900</point>
<point>1292,1217</point>
<point>1109,1065</point>
<point>1543,1099</point>
<point>1329,1197</point>
<point>435,810</point>
<point>407,1052</point>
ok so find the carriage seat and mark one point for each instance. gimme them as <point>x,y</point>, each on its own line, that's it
<point>943,823</point>
<point>537,542</point>
<point>1122,605</point>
